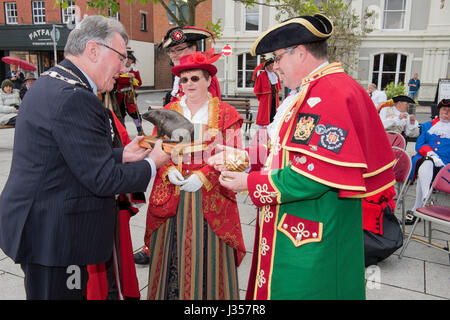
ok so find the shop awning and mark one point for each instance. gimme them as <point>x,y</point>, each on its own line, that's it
<point>32,37</point>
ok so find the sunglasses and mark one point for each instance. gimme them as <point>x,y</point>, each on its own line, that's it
<point>186,79</point>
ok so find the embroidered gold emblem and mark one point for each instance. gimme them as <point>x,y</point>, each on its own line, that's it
<point>304,128</point>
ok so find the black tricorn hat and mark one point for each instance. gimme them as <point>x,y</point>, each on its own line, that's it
<point>180,35</point>
<point>444,103</point>
<point>294,31</point>
<point>402,98</point>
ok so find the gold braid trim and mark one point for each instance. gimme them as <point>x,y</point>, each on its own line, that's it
<point>164,175</point>
<point>213,116</point>
<point>208,186</point>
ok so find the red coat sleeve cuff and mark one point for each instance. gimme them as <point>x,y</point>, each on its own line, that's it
<point>424,150</point>
<point>261,189</point>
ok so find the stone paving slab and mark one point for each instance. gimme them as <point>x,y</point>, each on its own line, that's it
<point>422,274</point>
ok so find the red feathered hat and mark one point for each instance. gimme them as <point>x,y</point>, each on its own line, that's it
<point>198,60</point>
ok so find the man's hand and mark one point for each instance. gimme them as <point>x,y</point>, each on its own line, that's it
<point>235,181</point>
<point>133,152</point>
<point>228,158</point>
<point>402,116</point>
<point>158,155</point>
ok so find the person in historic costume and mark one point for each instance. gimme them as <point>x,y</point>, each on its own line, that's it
<point>177,42</point>
<point>116,279</point>
<point>319,163</point>
<point>57,207</point>
<point>193,229</point>
<point>126,92</point>
<point>180,41</point>
<point>397,119</point>
<point>433,152</point>
<point>267,86</point>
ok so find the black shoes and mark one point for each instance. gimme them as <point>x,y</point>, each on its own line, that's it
<point>142,257</point>
<point>410,218</point>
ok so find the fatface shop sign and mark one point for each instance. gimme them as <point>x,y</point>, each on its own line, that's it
<point>43,37</point>
<point>32,37</point>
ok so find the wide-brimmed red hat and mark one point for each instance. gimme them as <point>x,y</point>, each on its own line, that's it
<point>198,60</point>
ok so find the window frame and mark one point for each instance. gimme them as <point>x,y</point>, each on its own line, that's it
<point>145,26</point>
<point>244,70</point>
<point>8,11</point>
<point>65,17</point>
<point>380,70</point>
<point>40,10</point>
<point>244,19</point>
<point>386,11</point>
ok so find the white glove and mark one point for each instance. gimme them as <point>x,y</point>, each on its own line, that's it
<point>192,184</point>
<point>175,177</point>
<point>437,161</point>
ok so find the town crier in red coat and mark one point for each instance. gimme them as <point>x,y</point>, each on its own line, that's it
<point>266,88</point>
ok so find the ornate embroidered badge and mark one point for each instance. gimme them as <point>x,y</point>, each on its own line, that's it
<point>304,128</point>
<point>332,138</point>
<point>177,36</point>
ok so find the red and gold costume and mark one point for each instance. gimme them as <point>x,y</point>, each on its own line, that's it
<point>191,218</point>
<point>124,86</point>
<point>266,93</point>
<point>326,153</point>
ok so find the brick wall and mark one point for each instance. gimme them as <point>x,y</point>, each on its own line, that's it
<point>163,74</point>
<point>129,15</point>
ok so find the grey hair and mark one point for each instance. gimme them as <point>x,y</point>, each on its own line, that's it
<point>93,28</point>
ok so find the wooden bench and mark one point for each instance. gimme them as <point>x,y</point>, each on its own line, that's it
<point>242,105</point>
<point>6,127</point>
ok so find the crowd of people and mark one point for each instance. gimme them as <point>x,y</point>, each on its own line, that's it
<point>77,177</point>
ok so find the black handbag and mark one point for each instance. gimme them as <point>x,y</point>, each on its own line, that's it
<point>379,247</point>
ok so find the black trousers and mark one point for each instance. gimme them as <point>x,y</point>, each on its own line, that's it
<point>55,283</point>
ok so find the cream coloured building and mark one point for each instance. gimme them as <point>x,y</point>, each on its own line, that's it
<point>410,36</point>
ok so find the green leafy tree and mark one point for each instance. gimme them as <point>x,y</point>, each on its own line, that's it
<point>181,12</point>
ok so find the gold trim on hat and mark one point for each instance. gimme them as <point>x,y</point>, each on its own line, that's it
<point>308,25</point>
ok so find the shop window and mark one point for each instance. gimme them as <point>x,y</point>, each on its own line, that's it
<point>38,10</point>
<point>394,14</point>
<point>245,65</point>
<point>387,68</point>
<point>252,18</point>
<point>10,13</point>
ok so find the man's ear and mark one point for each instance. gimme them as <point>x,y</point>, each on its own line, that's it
<point>92,51</point>
<point>301,52</point>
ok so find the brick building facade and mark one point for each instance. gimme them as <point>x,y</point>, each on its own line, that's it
<point>26,28</point>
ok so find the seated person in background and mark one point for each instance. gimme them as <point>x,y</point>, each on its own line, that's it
<point>9,103</point>
<point>377,96</point>
<point>29,80</point>
<point>433,152</point>
<point>397,119</point>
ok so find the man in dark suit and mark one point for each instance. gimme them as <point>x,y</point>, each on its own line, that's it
<point>58,206</point>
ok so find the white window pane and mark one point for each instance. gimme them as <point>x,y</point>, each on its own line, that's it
<point>252,19</point>
<point>395,5</point>
<point>393,20</point>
